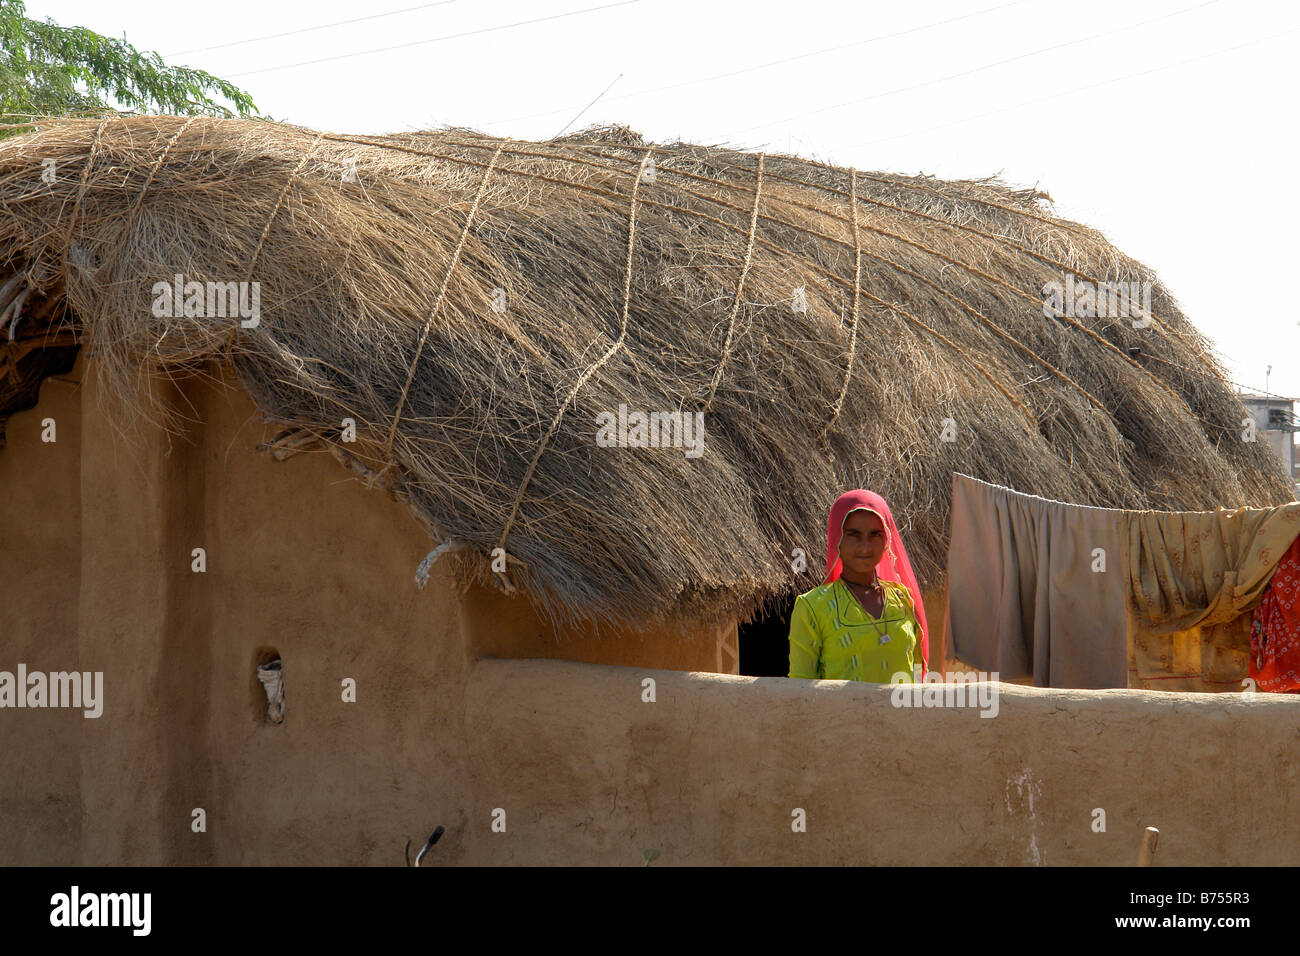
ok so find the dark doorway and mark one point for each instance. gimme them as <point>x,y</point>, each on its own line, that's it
<point>765,642</point>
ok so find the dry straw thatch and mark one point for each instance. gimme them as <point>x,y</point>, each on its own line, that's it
<point>672,289</point>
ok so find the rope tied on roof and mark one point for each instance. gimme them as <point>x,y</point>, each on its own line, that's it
<point>582,379</point>
<point>740,285</point>
<point>442,294</point>
<point>270,221</point>
<point>857,292</point>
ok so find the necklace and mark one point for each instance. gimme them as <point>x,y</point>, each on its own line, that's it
<point>878,588</point>
<point>874,586</point>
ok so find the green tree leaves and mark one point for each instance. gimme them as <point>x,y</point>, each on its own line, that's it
<point>46,69</point>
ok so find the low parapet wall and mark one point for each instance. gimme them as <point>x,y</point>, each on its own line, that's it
<point>714,770</point>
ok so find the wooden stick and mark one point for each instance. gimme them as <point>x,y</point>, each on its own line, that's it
<point>1150,837</point>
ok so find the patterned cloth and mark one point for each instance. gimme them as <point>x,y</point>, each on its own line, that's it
<point>1196,577</point>
<point>1275,634</point>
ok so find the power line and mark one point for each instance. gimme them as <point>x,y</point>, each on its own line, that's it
<point>323,26</point>
<point>1259,392</point>
<point>1077,89</point>
<point>450,36</point>
<point>588,106</point>
<point>954,76</point>
<point>768,64</point>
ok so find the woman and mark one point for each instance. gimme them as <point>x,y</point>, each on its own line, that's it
<point>867,621</point>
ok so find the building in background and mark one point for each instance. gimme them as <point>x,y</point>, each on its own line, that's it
<point>1275,418</point>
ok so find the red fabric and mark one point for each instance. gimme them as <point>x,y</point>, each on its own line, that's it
<point>1275,629</point>
<point>894,565</point>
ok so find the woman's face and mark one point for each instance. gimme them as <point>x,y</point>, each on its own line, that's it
<point>863,543</point>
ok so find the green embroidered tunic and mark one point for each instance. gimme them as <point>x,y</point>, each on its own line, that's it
<point>832,637</point>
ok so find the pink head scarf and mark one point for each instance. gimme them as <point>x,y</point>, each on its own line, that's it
<point>894,565</point>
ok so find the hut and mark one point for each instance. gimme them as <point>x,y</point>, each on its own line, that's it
<point>596,393</point>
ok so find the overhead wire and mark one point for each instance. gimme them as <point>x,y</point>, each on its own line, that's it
<point>449,36</point>
<point>768,64</point>
<point>321,26</point>
<point>969,72</point>
<point>1077,89</point>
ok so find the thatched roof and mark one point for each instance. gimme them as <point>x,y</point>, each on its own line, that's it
<point>674,289</point>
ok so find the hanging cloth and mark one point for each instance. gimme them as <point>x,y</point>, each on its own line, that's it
<point>1195,577</point>
<point>1036,587</point>
<point>1088,597</point>
<point>1275,634</point>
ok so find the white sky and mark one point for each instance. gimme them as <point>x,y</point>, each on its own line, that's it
<point>1187,169</point>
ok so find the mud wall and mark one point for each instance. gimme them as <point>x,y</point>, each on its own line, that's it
<point>97,531</point>
<point>712,771</point>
